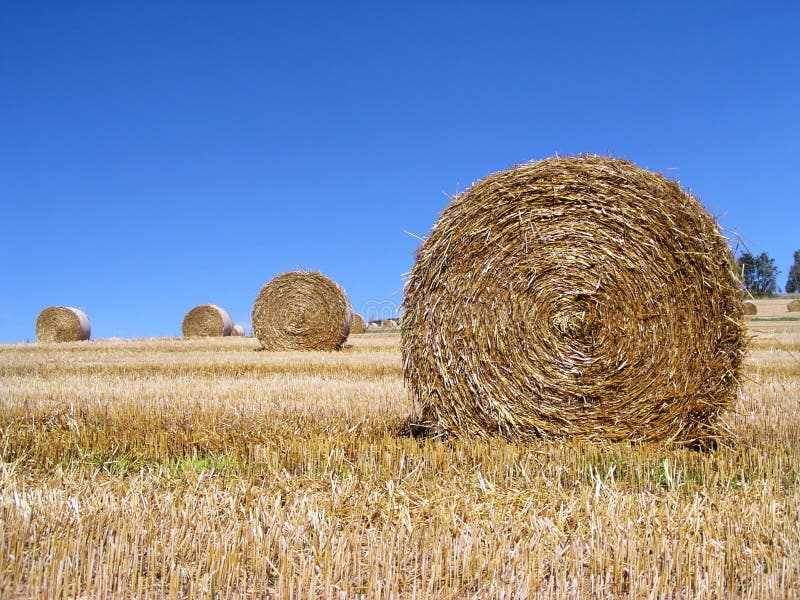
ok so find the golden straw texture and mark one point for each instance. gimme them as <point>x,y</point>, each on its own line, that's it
<point>749,308</point>
<point>793,306</point>
<point>207,320</point>
<point>579,297</point>
<point>62,324</point>
<point>357,324</point>
<point>301,310</point>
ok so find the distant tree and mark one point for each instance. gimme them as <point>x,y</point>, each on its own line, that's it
<point>759,273</point>
<point>747,269</point>
<point>793,281</point>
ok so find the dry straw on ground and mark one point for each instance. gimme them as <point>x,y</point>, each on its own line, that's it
<point>749,308</point>
<point>207,320</point>
<point>579,297</point>
<point>301,310</point>
<point>62,324</point>
<point>793,306</point>
<point>357,325</point>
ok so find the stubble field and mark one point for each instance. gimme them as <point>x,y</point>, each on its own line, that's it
<point>183,468</point>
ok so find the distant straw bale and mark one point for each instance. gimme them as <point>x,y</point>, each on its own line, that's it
<point>749,308</point>
<point>207,320</point>
<point>357,324</point>
<point>301,310</point>
<point>62,324</point>
<point>793,306</point>
<point>237,330</point>
<point>580,297</point>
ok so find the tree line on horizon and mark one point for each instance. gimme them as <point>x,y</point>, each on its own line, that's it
<point>759,274</point>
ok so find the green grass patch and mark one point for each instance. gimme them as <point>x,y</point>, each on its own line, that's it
<point>775,319</point>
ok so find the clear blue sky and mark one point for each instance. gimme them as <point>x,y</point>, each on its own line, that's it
<point>159,155</point>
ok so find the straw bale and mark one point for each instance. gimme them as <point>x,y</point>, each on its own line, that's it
<point>580,297</point>
<point>62,324</point>
<point>237,330</point>
<point>793,306</point>
<point>357,325</point>
<point>301,310</point>
<point>749,308</point>
<point>208,320</point>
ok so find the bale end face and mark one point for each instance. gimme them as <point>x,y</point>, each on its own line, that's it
<point>62,324</point>
<point>301,310</point>
<point>207,320</point>
<point>357,325</point>
<point>793,306</point>
<point>575,297</point>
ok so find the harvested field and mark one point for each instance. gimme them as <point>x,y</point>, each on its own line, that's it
<point>774,317</point>
<point>198,467</point>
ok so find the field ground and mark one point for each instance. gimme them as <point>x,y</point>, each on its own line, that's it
<point>203,468</point>
<point>772,314</point>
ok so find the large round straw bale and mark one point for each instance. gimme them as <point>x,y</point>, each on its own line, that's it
<point>749,308</point>
<point>357,324</point>
<point>793,306</point>
<point>301,310</point>
<point>207,320</point>
<point>579,297</point>
<point>237,330</point>
<point>62,324</point>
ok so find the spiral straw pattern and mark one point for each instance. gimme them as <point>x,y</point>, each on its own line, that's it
<point>580,297</point>
<point>62,324</point>
<point>207,320</point>
<point>301,310</point>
